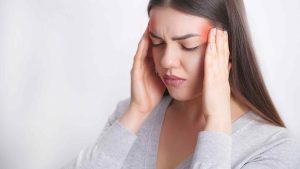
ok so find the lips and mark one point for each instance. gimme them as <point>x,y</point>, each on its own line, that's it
<point>174,81</point>
<point>173,77</point>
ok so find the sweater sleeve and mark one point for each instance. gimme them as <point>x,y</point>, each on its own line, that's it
<point>213,151</point>
<point>111,148</point>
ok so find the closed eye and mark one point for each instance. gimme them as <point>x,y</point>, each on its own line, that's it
<point>157,44</point>
<point>183,47</point>
<point>189,49</point>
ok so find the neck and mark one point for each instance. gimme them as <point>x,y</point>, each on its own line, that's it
<point>190,111</point>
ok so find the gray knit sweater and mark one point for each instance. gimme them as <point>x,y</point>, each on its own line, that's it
<point>253,144</point>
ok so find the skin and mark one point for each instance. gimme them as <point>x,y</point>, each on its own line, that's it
<point>203,101</point>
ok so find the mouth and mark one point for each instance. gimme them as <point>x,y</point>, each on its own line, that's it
<point>173,81</point>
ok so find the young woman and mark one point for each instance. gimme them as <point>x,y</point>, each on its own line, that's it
<point>198,100</point>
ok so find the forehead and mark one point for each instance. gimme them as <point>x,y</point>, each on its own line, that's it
<point>166,20</point>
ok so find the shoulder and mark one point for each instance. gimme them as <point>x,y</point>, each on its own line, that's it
<point>274,141</point>
<point>271,132</point>
<point>280,138</point>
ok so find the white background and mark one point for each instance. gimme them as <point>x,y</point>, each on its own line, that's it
<point>64,64</point>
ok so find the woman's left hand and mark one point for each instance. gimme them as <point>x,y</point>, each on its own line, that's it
<point>216,88</point>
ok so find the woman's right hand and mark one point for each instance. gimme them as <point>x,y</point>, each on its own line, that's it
<point>147,88</point>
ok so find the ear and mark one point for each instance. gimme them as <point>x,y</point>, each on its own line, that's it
<point>229,65</point>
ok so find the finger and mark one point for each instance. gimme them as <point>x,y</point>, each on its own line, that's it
<point>219,42</point>
<point>226,46</point>
<point>141,52</point>
<point>211,46</point>
<point>225,50</point>
<point>142,48</point>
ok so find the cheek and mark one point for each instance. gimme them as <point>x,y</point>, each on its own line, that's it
<point>194,66</point>
<point>195,60</point>
<point>156,55</point>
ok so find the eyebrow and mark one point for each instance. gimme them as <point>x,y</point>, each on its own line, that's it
<point>175,38</point>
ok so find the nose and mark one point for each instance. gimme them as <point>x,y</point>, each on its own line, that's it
<point>170,58</point>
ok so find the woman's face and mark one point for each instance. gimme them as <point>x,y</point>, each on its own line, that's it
<point>174,53</point>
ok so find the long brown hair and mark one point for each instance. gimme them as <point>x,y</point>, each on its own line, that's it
<point>245,78</point>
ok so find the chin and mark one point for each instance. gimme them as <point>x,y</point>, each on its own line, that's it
<point>183,96</point>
